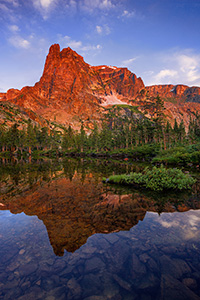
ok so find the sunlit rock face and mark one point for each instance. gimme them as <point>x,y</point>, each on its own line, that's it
<point>119,81</point>
<point>176,92</point>
<point>66,74</point>
<point>70,88</point>
<point>180,101</point>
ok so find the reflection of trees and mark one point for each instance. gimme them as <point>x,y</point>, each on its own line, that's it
<point>69,167</point>
<point>168,201</point>
<point>17,177</point>
<point>102,167</point>
<point>74,204</point>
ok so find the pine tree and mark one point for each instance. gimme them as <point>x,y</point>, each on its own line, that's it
<point>94,138</point>
<point>13,138</point>
<point>105,138</point>
<point>181,131</point>
<point>22,140</point>
<point>68,141</point>
<point>30,137</point>
<point>83,138</point>
<point>167,133</point>
<point>175,131</point>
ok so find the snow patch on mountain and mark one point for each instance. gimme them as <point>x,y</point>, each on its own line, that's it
<point>112,100</point>
<point>111,67</point>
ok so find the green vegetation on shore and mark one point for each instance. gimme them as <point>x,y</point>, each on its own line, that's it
<point>157,179</point>
<point>184,155</point>
<point>124,133</point>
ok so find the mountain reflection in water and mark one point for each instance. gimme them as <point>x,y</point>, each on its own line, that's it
<point>73,204</point>
<point>114,259</point>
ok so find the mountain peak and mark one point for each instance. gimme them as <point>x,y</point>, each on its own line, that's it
<point>69,86</point>
<point>55,54</point>
<point>54,48</point>
<point>68,53</point>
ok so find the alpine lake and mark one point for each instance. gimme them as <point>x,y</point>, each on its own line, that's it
<point>66,235</point>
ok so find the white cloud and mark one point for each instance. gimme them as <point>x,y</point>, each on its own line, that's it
<point>106,4</point>
<point>90,5</point>
<point>99,29</point>
<point>18,42</point>
<point>128,14</point>
<point>185,225</point>
<point>168,224</point>
<point>14,28</point>
<point>103,30</point>
<point>149,73</point>
<point>72,5</point>
<point>177,67</point>
<point>186,62</point>
<point>4,8</point>
<point>91,48</point>
<point>12,2</point>
<point>44,6</point>
<point>193,220</point>
<point>46,3</point>
<point>128,62</point>
<point>189,66</point>
<point>166,75</point>
<point>78,45</point>
<point>7,11</point>
<point>68,42</point>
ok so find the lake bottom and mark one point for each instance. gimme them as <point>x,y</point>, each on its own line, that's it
<point>156,259</point>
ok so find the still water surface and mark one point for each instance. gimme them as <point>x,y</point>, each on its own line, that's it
<point>65,235</point>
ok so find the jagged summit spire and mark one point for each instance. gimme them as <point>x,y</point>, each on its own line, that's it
<point>55,48</point>
<point>56,53</point>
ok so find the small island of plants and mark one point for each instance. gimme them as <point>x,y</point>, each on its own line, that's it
<point>156,179</point>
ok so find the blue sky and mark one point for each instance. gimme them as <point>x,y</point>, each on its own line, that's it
<point>158,40</point>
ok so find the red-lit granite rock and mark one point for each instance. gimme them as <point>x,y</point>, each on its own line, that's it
<point>177,92</point>
<point>71,90</point>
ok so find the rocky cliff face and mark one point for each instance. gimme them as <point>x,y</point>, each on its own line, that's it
<point>71,90</point>
<point>120,81</point>
<point>176,92</point>
<point>181,102</point>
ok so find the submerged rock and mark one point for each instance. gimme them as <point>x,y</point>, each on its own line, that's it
<point>174,267</point>
<point>172,288</point>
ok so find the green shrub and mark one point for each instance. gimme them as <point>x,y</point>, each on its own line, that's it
<point>179,158</point>
<point>172,151</point>
<point>145,151</point>
<point>157,179</point>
